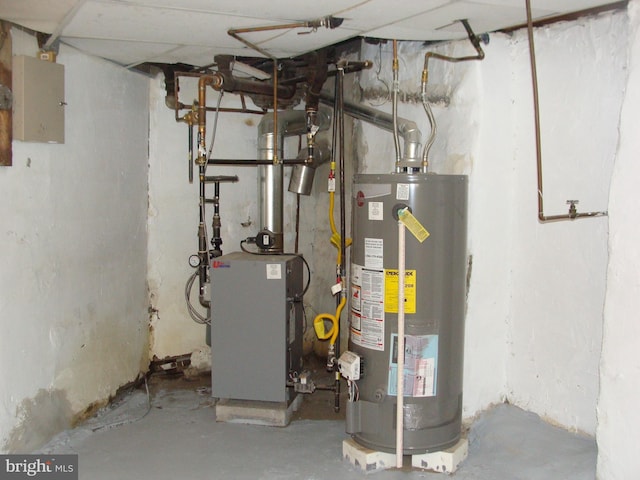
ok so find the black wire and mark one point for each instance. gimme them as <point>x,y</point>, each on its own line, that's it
<point>306,288</point>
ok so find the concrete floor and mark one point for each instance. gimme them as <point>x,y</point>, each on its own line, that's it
<point>175,436</point>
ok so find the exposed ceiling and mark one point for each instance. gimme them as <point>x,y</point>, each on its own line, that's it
<point>131,32</point>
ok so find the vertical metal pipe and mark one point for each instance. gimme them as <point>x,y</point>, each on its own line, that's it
<point>573,214</point>
<point>216,241</point>
<point>334,151</point>
<point>394,106</point>
<point>337,112</point>
<point>190,127</point>
<point>475,41</point>
<point>271,177</point>
<point>203,249</point>
<point>271,187</point>
<point>536,107</point>
<point>275,111</point>
<point>343,228</point>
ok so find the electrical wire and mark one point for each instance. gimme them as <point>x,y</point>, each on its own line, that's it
<point>129,420</point>
<point>193,313</point>
<point>215,128</point>
<point>384,98</point>
<point>354,391</point>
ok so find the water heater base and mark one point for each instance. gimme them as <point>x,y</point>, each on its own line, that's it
<point>445,461</point>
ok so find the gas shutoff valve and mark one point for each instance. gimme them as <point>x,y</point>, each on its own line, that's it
<point>350,365</point>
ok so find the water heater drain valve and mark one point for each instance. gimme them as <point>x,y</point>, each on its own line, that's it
<point>350,365</point>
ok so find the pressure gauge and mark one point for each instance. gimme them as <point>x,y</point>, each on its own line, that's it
<point>194,261</point>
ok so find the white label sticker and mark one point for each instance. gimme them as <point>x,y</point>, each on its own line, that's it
<point>274,271</point>
<point>373,253</point>
<point>402,191</point>
<point>367,309</point>
<point>375,211</point>
<point>356,274</point>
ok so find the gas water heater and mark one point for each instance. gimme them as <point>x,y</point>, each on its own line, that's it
<point>434,306</point>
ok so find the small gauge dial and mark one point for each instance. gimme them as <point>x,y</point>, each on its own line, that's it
<point>194,261</point>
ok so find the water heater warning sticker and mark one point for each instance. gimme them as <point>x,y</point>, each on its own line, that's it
<point>373,252</point>
<point>375,211</point>
<point>391,291</point>
<point>402,191</point>
<point>367,308</point>
<point>420,365</point>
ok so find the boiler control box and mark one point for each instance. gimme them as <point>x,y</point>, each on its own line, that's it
<point>256,326</point>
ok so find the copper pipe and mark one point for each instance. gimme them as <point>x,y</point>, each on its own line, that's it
<point>567,17</point>
<point>234,32</point>
<point>182,106</point>
<point>394,105</point>
<point>215,81</point>
<point>475,41</point>
<point>473,38</point>
<point>329,22</point>
<point>240,86</point>
<point>573,213</point>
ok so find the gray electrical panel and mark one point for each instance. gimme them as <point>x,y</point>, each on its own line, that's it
<point>38,100</point>
<point>256,325</point>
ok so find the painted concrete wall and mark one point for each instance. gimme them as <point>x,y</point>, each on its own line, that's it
<point>533,327</point>
<point>173,210</point>
<point>73,293</point>
<point>559,270</point>
<point>618,417</point>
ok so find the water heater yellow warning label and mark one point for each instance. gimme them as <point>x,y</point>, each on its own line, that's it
<point>391,291</point>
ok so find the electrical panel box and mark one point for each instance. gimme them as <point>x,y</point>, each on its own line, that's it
<point>256,326</point>
<point>38,100</point>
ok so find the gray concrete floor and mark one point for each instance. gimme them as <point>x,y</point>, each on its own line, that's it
<point>178,438</point>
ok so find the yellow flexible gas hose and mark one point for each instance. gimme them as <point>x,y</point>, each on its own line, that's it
<point>318,322</point>
<point>332,334</point>
<point>335,235</point>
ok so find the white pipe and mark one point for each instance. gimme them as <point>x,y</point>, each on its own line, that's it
<point>400,376</point>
